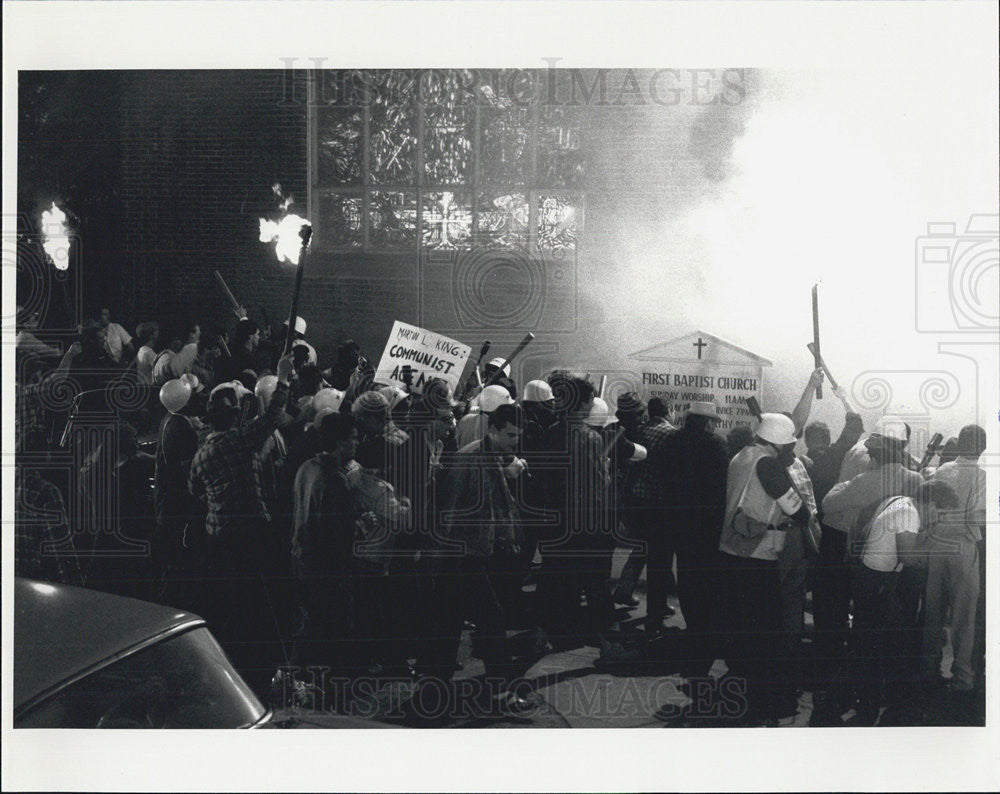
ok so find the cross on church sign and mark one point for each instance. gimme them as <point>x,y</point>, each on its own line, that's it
<point>701,367</point>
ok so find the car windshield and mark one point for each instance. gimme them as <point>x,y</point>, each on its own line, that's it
<point>183,682</point>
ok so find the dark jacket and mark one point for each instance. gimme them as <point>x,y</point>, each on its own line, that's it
<point>478,508</point>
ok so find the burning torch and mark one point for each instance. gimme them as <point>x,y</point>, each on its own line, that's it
<point>56,242</point>
<point>291,236</point>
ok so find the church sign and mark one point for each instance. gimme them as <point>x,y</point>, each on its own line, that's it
<point>701,367</point>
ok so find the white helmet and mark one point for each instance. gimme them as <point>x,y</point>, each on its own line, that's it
<point>776,429</point>
<point>492,397</point>
<point>192,380</point>
<point>240,390</point>
<point>537,391</point>
<point>600,415</point>
<point>265,388</point>
<point>500,363</point>
<point>393,394</point>
<point>175,394</point>
<point>327,398</point>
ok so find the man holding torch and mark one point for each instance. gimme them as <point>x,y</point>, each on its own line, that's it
<point>225,475</point>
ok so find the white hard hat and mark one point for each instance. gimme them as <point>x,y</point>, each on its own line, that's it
<point>241,390</point>
<point>600,415</point>
<point>890,427</point>
<point>327,398</point>
<point>393,394</point>
<point>776,429</point>
<point>192,380</point>
<point>537,391</point>
<point>300,325</point>
<point>265,388</point>
<point>175,394</point>
<point>500,363</point>
<point>492,397</point>
<point>321,414</point>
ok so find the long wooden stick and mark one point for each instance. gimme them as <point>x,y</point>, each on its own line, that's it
<point>467,386</point>
<point>305,233</point>
<point>228,293</point>
<point>829,375</point>
<point>815,305</point>
<point>520,346</point>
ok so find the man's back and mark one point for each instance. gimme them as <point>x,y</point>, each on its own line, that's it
<point>323,515</point>
<point>648,478</point>
<point>697,464</point>
<point>844,503</point>
<point>968,481</point>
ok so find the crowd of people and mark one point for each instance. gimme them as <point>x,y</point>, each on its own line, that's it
<point>319,518</point>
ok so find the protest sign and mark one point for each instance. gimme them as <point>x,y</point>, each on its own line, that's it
<point>428,354</point>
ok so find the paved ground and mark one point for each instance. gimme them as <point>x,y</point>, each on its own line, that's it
<point>568,691</point>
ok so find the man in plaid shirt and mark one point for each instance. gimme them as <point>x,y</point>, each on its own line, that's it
<point>226,470</point>
<point>43,547</point>
<point>226,476</point>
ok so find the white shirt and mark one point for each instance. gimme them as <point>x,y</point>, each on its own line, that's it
<point>144,364</point>
<point>968,481</point>
<point>117,337</point>
<point>898,515</point>
<point>856,460</point>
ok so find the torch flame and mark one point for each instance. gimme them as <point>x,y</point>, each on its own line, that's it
<point>285,235</point>
<point>55,237</point>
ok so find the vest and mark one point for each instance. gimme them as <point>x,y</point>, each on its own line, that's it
<point>752,517</point>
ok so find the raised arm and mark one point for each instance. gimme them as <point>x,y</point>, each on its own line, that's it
<point>800,415</point>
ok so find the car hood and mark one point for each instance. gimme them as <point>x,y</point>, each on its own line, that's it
<point>62,632</point>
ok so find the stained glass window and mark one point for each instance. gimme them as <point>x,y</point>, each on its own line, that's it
<point>560,163</point>
<point>392,218</point>
<point>341,219</point>
<point>448,144</point>
<point>447,220</point>
<point>504,146</point>
<point>444,159</point>
<point>392,129</point>
<point>340,145</point>
<point>560,218</point>
<point>502,218</point>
